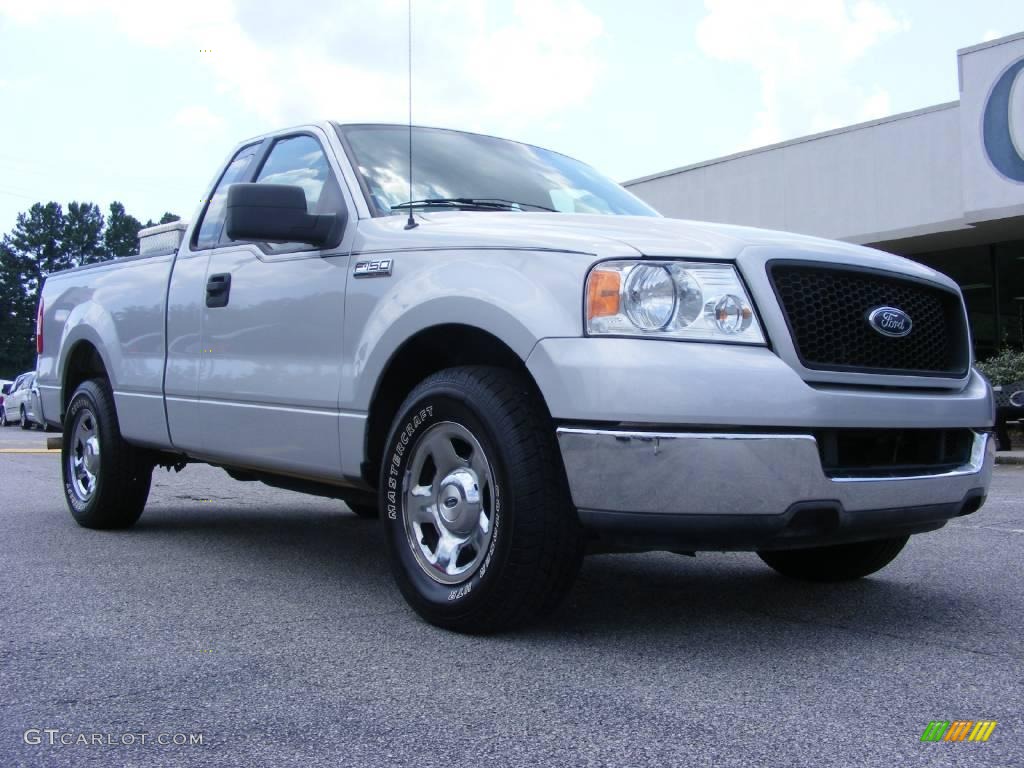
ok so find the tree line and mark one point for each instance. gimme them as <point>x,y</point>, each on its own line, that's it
<point>48,238</point>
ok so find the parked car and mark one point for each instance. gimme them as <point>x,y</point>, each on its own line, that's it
<point>522,364</point>
<point>1009,407</point>
<point>5,388</point>
<point>22,403</point>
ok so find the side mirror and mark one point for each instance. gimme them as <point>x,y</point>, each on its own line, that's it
<point>6,389</point>
<point>275,213</point>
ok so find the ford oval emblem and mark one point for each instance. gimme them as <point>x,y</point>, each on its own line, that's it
<point>890,321</point>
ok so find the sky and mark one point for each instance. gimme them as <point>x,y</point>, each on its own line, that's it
<point>141,102</point>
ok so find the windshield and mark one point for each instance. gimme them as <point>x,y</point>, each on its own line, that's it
<point>457,168</point>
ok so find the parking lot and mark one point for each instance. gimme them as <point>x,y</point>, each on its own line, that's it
<point>267,622</point>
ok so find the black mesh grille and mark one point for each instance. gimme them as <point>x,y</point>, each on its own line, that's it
<point>827,309</point>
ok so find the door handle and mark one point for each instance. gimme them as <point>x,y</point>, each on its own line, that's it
<point>218,290</point>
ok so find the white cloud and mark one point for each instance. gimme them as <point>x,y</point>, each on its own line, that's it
<point>199,119</point>
<point>475,64</point>
<point>802,52</point>
<point>877,105</point>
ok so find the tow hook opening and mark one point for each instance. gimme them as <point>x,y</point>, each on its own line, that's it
<point>813,518</point>
<point>972,503</point>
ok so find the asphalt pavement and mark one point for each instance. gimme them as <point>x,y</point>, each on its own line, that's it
<point>266,623</point>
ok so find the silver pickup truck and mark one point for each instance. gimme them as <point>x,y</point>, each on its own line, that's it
<point>514,362</point>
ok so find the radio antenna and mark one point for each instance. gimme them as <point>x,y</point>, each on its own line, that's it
<point>411,223</point>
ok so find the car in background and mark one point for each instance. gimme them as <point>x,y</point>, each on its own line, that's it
<point>5,388</point>
<point>21,404</point>
<point>1009,407</point>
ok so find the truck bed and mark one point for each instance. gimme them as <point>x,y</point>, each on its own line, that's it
<point>118,306</point>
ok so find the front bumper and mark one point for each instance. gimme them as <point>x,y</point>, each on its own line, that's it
<point>723,490</point>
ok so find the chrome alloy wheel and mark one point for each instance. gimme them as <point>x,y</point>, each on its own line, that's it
<point>84,456</point>
<point>447,498</point>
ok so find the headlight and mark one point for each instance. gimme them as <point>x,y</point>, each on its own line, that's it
<point>670,299</point>
<point>650,297</point>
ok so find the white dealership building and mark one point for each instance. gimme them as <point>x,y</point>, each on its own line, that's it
<point>942,185</point>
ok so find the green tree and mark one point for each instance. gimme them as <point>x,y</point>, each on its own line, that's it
<point>121,237</point>
<point>36,247</point>
<point>167,218</point>
<point>33,249</point>
<point>16,333</point>
<point>83,234</point>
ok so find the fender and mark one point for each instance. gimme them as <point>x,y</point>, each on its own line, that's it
<point>90,322</point>
<point>516,297</point>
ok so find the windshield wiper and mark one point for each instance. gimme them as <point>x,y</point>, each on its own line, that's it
<point>481,203</point>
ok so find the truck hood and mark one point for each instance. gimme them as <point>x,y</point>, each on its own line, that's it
<point>602,236</point>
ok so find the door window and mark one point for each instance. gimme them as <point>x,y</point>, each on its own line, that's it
<point>300,161</point>
<point>216,208</point>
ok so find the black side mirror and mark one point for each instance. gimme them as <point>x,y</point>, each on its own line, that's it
<point>275,213</point>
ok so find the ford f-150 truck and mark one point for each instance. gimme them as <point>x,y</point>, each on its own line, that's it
<point>513,362</point>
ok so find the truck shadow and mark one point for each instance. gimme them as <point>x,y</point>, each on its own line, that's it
<point>680,593</point>
<point>333,558</point>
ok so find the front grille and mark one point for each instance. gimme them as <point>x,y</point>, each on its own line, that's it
<point>827,306</point>
<point>892,452</point>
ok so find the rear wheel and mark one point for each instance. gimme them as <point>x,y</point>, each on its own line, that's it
<point>476,509</point>
<point>842,562</point>
<point>106,481</point>
<point>3,417</point>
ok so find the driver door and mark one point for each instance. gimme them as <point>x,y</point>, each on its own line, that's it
<point>270,369</point>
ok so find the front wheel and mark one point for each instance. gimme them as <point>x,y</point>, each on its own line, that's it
<point>106,481</point>
<point>24,423</point>
<point>842,562</point>
<point>476,510</point>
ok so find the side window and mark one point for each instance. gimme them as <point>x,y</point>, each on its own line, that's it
<point>300,161</point>
<point>216,209</point>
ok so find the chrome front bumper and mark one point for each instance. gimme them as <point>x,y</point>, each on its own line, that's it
<point>740,491</point>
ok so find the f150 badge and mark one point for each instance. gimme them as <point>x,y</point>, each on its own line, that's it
<point>380,268</point>
<point>890,321</point>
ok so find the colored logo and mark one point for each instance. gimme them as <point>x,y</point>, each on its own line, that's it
<point>1004,141</point>
<point>958,730</point>
<point>890,321</point>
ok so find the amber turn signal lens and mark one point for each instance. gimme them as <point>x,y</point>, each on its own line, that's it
<point>603,289</point>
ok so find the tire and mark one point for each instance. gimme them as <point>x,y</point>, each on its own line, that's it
<point>365,511</point>
<point>106,481</point>
<point>3,418</point>
<point>506,502</point>
<point>23,421</point>
<point>843,562</point>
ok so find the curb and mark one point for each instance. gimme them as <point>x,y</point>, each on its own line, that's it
<point>1017,457</point>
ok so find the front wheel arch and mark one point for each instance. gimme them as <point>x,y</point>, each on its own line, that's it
<point>431,350</point>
